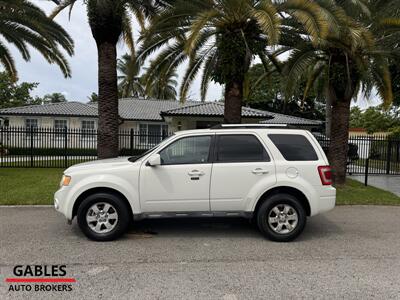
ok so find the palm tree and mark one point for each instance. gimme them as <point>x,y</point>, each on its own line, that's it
<point>54,98</point>
<point>110,21</point>
<point>129,81</point>
<point>161,85</point>
<point>352,58</point>
<point>93,98</point>
<point>21,24</point>
<point>221,38</point>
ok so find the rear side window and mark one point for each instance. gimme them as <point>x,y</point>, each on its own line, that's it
<point>294,147</point>
<point>240,148</point>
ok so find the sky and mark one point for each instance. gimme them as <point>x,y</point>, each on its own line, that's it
<point>83,64</point>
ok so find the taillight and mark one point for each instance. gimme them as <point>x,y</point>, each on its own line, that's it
<point>325,173</point>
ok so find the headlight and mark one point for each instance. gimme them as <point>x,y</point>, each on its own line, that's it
<point>65,180</point>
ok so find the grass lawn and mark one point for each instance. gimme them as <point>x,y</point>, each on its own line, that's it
<point>37,186</point>
<point>355,192</point>
<point>28,186</point>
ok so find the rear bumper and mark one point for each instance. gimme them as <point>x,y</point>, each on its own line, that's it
<point>326,203</point>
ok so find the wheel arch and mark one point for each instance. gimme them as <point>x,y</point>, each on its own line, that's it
<point>95,190</point>
<point>285,190</point>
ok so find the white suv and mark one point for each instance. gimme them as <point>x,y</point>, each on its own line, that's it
<point>275,176</point>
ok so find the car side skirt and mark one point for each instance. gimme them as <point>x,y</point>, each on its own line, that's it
<point>197,214</point>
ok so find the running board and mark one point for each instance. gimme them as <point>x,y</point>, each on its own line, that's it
<point>181,214</point>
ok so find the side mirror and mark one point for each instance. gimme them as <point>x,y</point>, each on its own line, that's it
<point>154,160</point>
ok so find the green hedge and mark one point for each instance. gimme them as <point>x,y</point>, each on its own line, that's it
<point>68,152</point>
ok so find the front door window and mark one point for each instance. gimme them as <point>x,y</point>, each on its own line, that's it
<point>189,150</point>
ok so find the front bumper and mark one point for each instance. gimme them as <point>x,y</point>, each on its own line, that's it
<point>61,203</point>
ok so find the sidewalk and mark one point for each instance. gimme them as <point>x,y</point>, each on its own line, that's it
<point>389,183</point>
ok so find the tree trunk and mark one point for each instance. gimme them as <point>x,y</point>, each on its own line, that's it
<point>233,102</point>
<point>107,140</point>
<point>338,148</point>
<point>328,117</point>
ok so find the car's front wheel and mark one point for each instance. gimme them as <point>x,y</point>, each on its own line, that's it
<point>281,218</point>
<point>103,217</point>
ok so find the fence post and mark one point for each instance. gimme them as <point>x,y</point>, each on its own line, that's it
<point>31,133</point>
<point>366,171</point>
<point>389,156</point>
<point>131,141</point>
<point>65,147</point>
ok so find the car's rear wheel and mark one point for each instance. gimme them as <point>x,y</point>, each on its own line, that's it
<point>103,217</point>
<point>281,218</point>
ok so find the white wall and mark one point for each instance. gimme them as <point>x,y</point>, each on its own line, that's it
<point>47,122</point>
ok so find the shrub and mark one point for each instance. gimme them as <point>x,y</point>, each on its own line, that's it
<point>68,152</point>
<point>3,150</point>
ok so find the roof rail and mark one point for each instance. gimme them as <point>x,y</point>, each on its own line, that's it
<point>247,126</point>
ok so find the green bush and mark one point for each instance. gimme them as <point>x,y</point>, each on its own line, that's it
<point>68,152</point>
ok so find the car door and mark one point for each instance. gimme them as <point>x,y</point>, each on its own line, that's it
<point>182,181</point>
<point>242,167</point>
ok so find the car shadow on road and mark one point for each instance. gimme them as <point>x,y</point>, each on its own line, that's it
<point>317,227</point>
<point>320,227</point>
<point>195,227</point>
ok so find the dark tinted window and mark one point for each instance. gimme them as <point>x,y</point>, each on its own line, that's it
<point>294,147</point>
<point>240,148</point>
<point>190,150</point>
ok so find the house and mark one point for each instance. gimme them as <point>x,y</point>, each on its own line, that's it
<point>145,116</point>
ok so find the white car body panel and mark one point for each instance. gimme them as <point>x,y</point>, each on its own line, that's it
<point>222,187</point>
<point>170,188</point>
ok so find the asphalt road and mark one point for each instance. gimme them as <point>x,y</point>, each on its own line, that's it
<point>351,252</point>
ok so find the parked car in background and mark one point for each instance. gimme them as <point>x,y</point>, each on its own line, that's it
<point>277,177</point>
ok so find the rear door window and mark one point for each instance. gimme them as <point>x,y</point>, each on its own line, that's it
<point>294,147</point>
<point>240,148</point>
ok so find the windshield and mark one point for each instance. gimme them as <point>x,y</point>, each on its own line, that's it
<point>136,158</point>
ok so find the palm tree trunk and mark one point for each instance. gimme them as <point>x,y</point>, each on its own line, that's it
<point>107,140</point>
<point>233,102</point>
<point>338,148</point>
<point>328,117</point>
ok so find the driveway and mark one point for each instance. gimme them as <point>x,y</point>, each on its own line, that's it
<point>352,252</point>
<point>389,183</point>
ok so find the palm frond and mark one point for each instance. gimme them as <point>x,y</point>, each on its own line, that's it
<point>310,15</point>
<point>209,65</point>
<point>127,32</point>
<point>267,17</point>
<point>8,62</point>
<point>297,64</point>
<point>198,25</point>
<point>61,6</point>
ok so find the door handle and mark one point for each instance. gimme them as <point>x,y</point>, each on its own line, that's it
<point>196,173</point>
<point>258,171</point>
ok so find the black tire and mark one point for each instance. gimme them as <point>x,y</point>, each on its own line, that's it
<point>123,212</point>
<point>265,209</point>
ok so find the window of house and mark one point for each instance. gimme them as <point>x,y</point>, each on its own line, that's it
<point>152,134</point>
<point>88,129</point>
<point>6,122</point>
<point>60,124</point>
<point>240,148</point>
<point>294,147</point>
<point>59,127</point>
<point>31,126</point>
<point>189,150</point>
<point>31,123</point>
